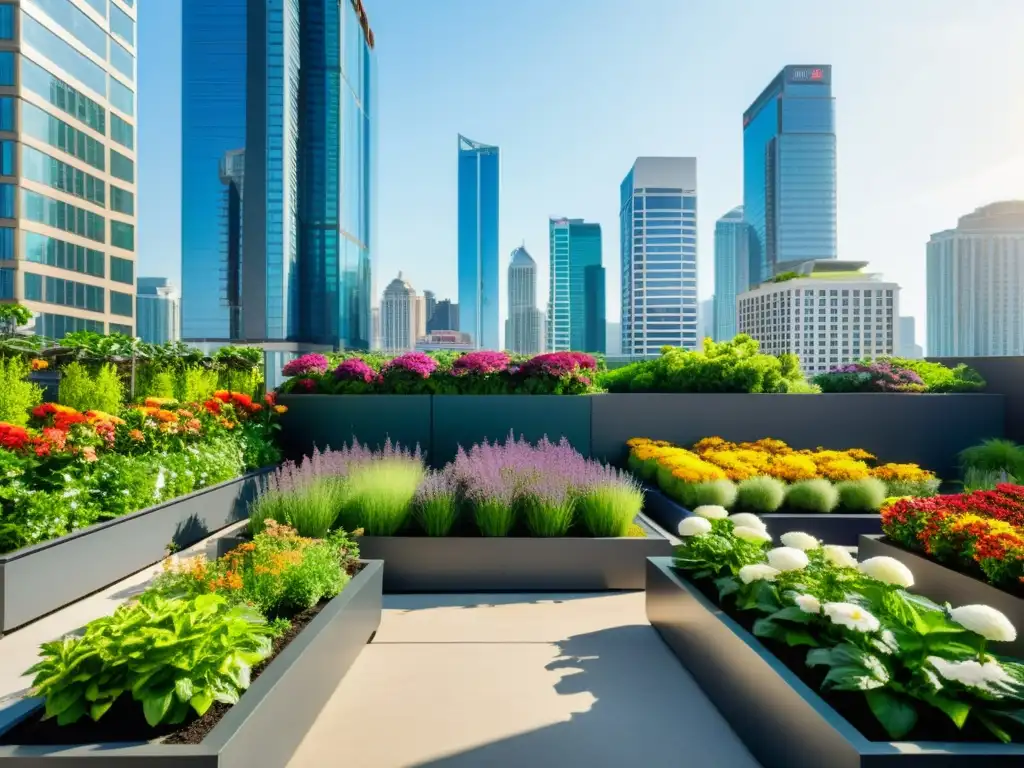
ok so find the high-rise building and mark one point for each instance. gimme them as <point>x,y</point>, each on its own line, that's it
<point>158,311</point>
<point>975,284</point>
<point>732,271</point>
<point>909,347</point>
<point>271,97</point>
<point>478,243</point>
<point>827,312</point>
<point>429,305</point>
<point>444,318</point>
<point>67,135</point>
<point>576,294</point>
<point>706,315</point>
<point>420,317</point>
<point>524,328</point>
<point>658,243</point>
<point>398,316</point>
<point>789,171</point>
<point>613,340</point>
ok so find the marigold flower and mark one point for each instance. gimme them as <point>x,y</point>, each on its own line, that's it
<point>280,409</point>
<point>38,364</point>
<point>136,435</point>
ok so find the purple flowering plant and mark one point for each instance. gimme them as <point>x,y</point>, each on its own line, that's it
<point>354,376</point>
<point>313,364</point>
<point>870,377</point>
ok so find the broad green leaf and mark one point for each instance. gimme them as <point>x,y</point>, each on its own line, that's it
<point>183,688</point>
<point>819,657</point>
<point>957,710</point>
<point>794,614</point>
<point>201,702</point>
<point>994,728</point>
<point>896,714</point>
<point>99,708</point>
<point>851,678</point>
<point>727,586</point>
<point>72,714</point>
<point>155,707</point>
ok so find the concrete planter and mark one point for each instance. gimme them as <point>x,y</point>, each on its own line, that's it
<point>945,585</point>
<point>38,580</point>
<point>266,726</point>
<point>782,721</point>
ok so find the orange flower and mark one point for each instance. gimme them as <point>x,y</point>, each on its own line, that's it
<point>39,364</point>
<point>280,409</point>
<point>193,425</point>
<point>168,417</point>
<point>136,435</point>
<point>159,402</point>
<point>89,453</point>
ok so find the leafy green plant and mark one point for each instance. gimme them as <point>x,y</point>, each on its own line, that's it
<point>720,493</point>
<point>985,480</point>
<point>864,495</point>
<point>816,495</point>
<point>75,387</point>
<point>195,384</point>
<point>761,494</point>
<point>547,509</point>
<point>17,394</point>
<point>171,655</point>
<point>995,456</point>
<point>436,507</point>
<point>609,509</point>
<point>941,378</point>
<point>380,495</point>
<point>311,505</point>
<point>108,392</point>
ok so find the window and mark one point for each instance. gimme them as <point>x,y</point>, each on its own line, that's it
<point>122,167</point>
<point>122,304</point>
<point>77,23</point>
<point>100,6</point>
<point>122,132</point>
<point>33,286</point>
<point>69,293</point>
<point>62,54</point>
<point>58,326</point>
<point>122,270</point>
<point>122,25</point>
<point>122,97</point>
<point>127,330</point>
<point>123,61</point>
<point>42,168</point>
<point>122,235</point>
<point>6,243</point>
<point>7,193</point>
<point>7,66</point>
<point>6,283</point>
<point>41,249</point>
<point>122,201</point>
<point>7,167</point>
<point>62,95</point>
<point>6,113</point>
<point>6,24</point>
<point>45,127</point>
<point>61,215</point>
<point>668,202</point>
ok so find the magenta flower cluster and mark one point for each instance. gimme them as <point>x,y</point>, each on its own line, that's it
<point>417,363</point>
<point>558,364</point>
<point>355,369</point>
<point>306,365</point>
<point>872,377</point>
<point>482,362</point>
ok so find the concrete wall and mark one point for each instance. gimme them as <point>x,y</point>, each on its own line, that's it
<point>1005,376</point>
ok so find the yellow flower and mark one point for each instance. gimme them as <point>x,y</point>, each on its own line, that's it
<point>901,472</point>
<point>838,470</point>
<point>793,468</point>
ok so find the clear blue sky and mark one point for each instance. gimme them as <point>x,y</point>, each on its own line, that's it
<point>930,119</point>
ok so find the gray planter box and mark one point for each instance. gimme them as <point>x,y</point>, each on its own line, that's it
<point>38,580</point>
<point>782,721</point>
<point>945,585</point>
<point>842,529</point>
<point>266,726</point>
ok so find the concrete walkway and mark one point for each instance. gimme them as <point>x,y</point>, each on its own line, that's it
<point>503,681</point>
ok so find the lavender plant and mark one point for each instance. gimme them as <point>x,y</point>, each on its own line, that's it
<point>608,501</point>
<point>436,505</point>
<point>381,489</point>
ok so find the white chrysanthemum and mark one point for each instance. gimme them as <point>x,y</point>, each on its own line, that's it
<point>990,676</point>
<point>985,621</point>
<point>711,512</point>
<point>839,556</point>
<point>851,616</point>
<point>694,526</point>
<point>799,540</point>
<point>787,559</point>
<point>759,572</point>
<point>751,534</point>
<point>888,569</point>
<point>747,520</point>
<point>808,603</point>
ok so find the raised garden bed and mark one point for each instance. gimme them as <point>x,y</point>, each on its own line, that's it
<point>781,720</point>
<point>40,579</point>
<point>263,728</point>
<point>945,585</point>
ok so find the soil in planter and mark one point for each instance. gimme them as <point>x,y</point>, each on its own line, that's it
<point>932,725</point>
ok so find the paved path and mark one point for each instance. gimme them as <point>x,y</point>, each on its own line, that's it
<point>503,681</point>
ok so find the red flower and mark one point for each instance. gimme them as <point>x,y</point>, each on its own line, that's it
<point>12,437</point>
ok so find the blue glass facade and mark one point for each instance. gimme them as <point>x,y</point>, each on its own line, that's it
<point>478,243</point>
<point>284,168</point>
<point>576,298</point>
<point>789,170</point>
<point>732,271</point>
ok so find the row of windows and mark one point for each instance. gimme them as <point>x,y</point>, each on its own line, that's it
<point>63,255</point>
<point>61,215</point>
<point>47,128</point>
<point>55,173</point>
<point>62,95</point>
<point>665,203</point>
<point>66,293</point>
<point>62,54</point>
<point>92,35</point>
<point>58,326</point>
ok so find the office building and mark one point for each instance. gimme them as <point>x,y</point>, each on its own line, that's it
<point>445,341</point>
<point>478,243</point>
<point>789,171</point>
<point>732,271</point>
<point>375,340</point>
<point>398,316</point>
<point>909,347</point>
<point>524,328</point>
<point>277,112</point>
<point>576,293</point>
<point>67,135</point>
<point>613,340</point>
<point>975,284</point>
<point>658,245</point>
<point>828,312</point>
<point>445,317</point>
<point>420,318</point>
<point>706,314</point>
<point>429,305</point>
<point>158,311</point>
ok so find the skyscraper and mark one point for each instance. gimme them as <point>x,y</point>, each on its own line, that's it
<point>909,347</point>
<point>444,318</point>
<point>269,96</point>
<point>478,243</point>
<point>429,305</point>
<point>732,271</point>
<point>524,327</point>
<point>789,171</point>
<point>658,243</point>
<point>68,156</point>
<point>576,295</point>
<point>158,311</point>
<point>398,316</point>
<point>975,284</point>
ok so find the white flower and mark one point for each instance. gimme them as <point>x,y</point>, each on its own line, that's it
<point>756,535</point>
<point>799,540</point>
<point>711,512</point>
<point>990,676</point>
<point>747,520</point>
<point>694,526</point>
<point>808,603</point>
<point>985,621</point>
<point>888,569</point>
<point>749,573</point>
<point>851,616</point>
<point>787,559</point>
<point>839,556</point>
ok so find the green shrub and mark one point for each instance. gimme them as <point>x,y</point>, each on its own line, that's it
<point>108,391</point>
<point>760,494</point>
<point>941,378</point>
<point>985,480</point>
<point>608,510</point>
<point>812,496</point>
<point>195,384</point>
<point>380,496</point>
<point>83,391</point>
<point>995,456</point>
<point>75,389</point>
<point>18,395</point>
<point>864,495</point>
<point>900,488</point>
<point>719,493</point>
<point>311,507</point>
<point>158,384</point>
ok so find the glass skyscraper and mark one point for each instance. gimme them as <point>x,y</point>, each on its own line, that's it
<point>576,295</point>
<point>789,170</point>
<point>658,244</point>
<point>277,171</point>
<point>68,163</point>
<point>158,311</point>
<point>478,243</point>
<point>732,271</point>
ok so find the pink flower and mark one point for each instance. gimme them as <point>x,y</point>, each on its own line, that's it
<point>482,362</point>
<point>355,369</point>
<point>307,365</point>
<point>416,363</point>
<point>557,364</point>
<point>307,384</point>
